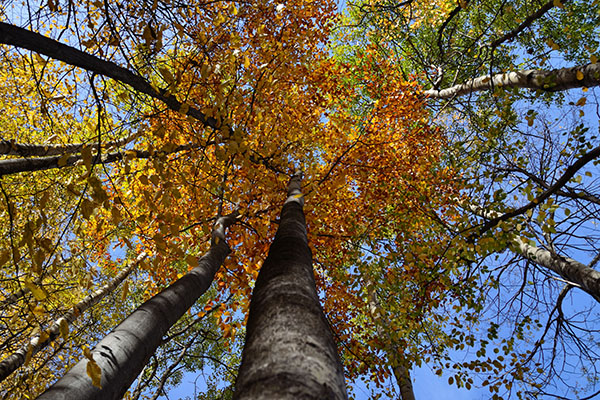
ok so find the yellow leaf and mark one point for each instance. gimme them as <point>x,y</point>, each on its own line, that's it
<point>93,370</point>
<point>167,75</point>
<point>87,353</point>
<point>552,44</point>
<point>86,156</point>
<point>579,75</point>
<point>87,208</point>
<point>4,257</point>
<point>38,293</point>
<point>62,161</point>
<point>581,102</point>
<point>593,59</point>
<point>116,215</point>
<point>43,336</point>
<point>191,260</point>
<point>184,108</point>
<point>557,3</point>
<point>64,328</point>
<point>28,354</point>
<point>246,62</point>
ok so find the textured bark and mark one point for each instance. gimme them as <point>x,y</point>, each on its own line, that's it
<point>584,277</point>
<point>17,165</point>
<point>10,148</point>
<point>23,38</point>
<point>289,352</point>
<point>550,81</point>
<point>15,360</point>
<point>123,353</point>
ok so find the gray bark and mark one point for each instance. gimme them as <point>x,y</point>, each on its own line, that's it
<point>576,273</point>
<point>17,165</point>
<point>123,353</point>
<point>397,360</point>
<point>289,352</point>
<point>550,81</point>
<point>10,148</point>
<point>582,276</point>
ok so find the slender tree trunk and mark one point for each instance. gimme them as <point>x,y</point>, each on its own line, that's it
<point>397,360</point>
<point>10,148</point>
<point>582,276</point>
<point>16,165</point>
<point>576,273</point>
<point>289,352</point>
<point>550,81</point>
<point>125,351</point>
<point>37,343</point>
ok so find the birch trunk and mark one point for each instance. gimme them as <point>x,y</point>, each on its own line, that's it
<point>550,81</point>
<point>289,352</point>
<point>17,359</point>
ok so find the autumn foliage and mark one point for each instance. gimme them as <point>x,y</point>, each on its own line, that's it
<point>275,100</point>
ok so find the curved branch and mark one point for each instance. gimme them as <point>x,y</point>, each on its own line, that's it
<point>549,81</point>
<point>568,174</point>
<point>528,21</point>
<point>23,38</point>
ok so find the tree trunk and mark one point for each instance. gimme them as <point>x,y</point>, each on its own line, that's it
<point>289,352</point>
<point>576,273</point>
<point>550,81</point>
<point>125,351</point>
<point>16,165</point>
<point>16,359</point>
<point>397,360</point>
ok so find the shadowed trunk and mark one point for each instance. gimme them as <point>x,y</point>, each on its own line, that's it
<point>124,352</point>
<point>289,351</point>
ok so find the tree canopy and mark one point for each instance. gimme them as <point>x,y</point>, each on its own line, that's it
<point>449,156</point>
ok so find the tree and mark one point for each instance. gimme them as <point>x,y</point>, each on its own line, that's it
<point>170,123</point>
<point>289,351</point>
<point>527,158</point>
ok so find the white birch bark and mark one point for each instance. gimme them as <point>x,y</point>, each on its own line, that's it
<point>550,81</point>
<point>37,343</point>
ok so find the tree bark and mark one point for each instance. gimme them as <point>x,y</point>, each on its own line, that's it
<point>289,352</point>
<point>576,273</point>
<point>123,353</point>
<point>582,276</point>
<point>10,148</point>
<point>17,165</point>
<point>549,81</point>
<point>397,360</point>
<point>23,38</point>
<point>17,359</point>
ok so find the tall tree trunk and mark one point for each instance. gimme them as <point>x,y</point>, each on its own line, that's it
<point>289,351</point>
<point>123,353</point>
<point>25,39</point>
<point>37,343</point>
<point>397,361</point>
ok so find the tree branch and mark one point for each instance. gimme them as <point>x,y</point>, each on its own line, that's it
<point>549,81</point>
<point>23,38</point>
